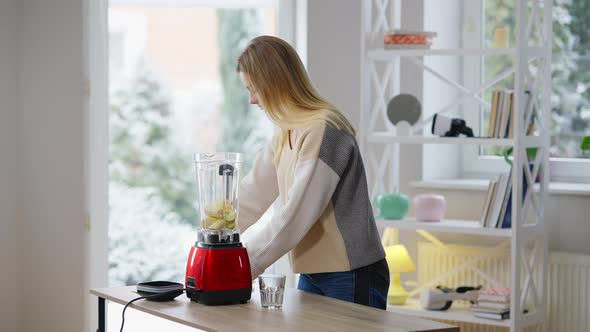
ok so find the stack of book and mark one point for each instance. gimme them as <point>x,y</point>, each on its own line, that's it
<point>497,209</point>
<point>492,304</point>
<point>496,203</point>
<point>502,114</point>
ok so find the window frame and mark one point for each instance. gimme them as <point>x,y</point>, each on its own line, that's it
<point>473,164</point>
<point>96,60</point>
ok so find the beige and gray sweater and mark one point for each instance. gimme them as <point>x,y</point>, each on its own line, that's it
<point>325,220</point>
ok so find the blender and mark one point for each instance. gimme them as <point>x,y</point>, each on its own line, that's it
<point>218,268</point>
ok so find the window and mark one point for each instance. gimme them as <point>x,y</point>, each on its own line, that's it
<point>173,90</point>
<point>570,100</point>
<point>166,96</point>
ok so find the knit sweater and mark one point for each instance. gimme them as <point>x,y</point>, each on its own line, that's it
<point>325,221</point>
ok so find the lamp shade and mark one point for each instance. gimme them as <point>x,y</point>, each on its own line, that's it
<point>398,259</point>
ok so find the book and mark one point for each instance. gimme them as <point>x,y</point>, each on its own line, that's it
<point>500,108</point>
<point>495,291</point>
<point>497,201</point>
<point>505,114</point>
<point>510,126</point>
<point>493,112</point>
<point>494,306</point>
<point>506,202</point>
<point>477,308</point>
<point>493,298</point>
<point>507,216</point>
<point>501,295</point>
<point>491,315</point>
<point>530,126</point>
<point>488,202</point>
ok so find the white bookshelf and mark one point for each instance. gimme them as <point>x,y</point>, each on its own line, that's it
<point>458,312</point>
<point>380,143</point>
<point>388,54</point>
<point>446,226</point>
<point>385,137</point>
<point>388,137</point>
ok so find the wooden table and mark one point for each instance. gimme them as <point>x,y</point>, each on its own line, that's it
<point>301,312</point>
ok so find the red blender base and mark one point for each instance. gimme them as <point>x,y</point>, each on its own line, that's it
<point>218,273</point>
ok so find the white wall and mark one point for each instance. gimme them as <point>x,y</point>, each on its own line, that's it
<point>51,163</point>
<point>333,56</point>
<point>10,277</point>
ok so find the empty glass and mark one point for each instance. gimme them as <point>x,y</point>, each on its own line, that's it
<point>272,290</point>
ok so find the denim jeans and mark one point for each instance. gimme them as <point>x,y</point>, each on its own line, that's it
<point>366,285</point>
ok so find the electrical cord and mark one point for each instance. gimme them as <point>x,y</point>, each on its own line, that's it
<point>153,297</point>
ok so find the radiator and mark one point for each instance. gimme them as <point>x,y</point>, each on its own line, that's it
<point>567,290</point>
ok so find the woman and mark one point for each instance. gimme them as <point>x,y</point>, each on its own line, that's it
<point>313,164</point>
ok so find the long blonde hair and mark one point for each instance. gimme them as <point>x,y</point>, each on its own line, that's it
<point>283,87</point>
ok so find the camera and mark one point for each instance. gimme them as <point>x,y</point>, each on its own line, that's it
<point>450,127</point>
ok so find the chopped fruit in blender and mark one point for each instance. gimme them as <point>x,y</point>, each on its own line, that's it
<point>208,221</point>
<point>219,224</point>
<point>230,216</point>
<point>231,225</point>
<point>219,208</point>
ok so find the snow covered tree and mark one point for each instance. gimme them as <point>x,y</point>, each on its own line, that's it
<point>242,130</point>
<point>570,100</point>
<point>143,153</point>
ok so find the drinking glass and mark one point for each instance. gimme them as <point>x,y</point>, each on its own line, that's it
<point>272,290</point>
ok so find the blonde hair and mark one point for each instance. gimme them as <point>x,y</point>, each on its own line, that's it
<point>284,89</point>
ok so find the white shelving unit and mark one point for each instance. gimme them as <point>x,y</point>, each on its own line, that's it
<point>458,312</point>
<point>384,54</point>
<point>527,238</point>
<point>447,226</point>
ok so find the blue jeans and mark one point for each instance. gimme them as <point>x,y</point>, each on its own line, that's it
<point>367,285</point>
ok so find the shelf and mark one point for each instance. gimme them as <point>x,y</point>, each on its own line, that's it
<point>389,54</point>
<point>458,312</point>
<point>446,226</point>
<point>385,137</point>
<point>453,184</point>
<point>555,188</point>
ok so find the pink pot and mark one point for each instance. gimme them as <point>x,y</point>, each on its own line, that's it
<point>430,207</point>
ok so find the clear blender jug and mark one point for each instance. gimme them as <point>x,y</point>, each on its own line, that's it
<point>218,176</point>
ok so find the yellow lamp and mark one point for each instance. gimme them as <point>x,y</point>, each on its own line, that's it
<point>399,261</point>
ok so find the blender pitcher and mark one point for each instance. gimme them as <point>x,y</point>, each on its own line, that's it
<point>218,177</point>
<point>218,268</point>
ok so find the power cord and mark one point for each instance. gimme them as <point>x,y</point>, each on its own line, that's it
<point>163,296</point>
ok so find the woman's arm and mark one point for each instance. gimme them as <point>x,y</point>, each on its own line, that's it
<point>314,183</point>
<point>258,189</point>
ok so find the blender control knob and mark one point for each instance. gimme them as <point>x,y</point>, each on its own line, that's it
<point>235,237</point>
<point>213,238</point>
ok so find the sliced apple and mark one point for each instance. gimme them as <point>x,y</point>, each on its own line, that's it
<point>219,224</point>
<point>230,216</point>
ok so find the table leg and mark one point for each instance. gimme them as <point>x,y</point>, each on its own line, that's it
<point>101,315</point>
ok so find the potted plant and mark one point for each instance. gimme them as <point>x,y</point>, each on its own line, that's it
<point>530,152</point>
<point>585,145</point>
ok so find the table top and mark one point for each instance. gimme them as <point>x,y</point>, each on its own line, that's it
<point>301,312</point>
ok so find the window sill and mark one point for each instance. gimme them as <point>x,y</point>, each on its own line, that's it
<point>555,188</point>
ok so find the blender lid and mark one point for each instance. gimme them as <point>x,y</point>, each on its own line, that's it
<point>218,157</point>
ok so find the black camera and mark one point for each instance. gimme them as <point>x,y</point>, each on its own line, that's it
<point>450,127</point>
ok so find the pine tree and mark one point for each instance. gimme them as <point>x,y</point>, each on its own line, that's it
<point>143,153</point>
